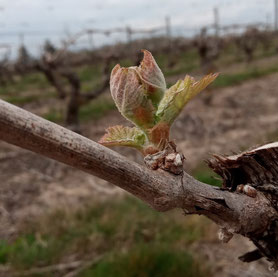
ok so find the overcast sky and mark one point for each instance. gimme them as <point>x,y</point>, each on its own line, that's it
<point>41,19</point>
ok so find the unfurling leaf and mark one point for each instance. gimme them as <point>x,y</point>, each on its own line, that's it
<point>203,83</point>
<point>151,77</point>
<point>124,136</point>
<point>174,100</point>
<point>130,98</point>
<point>177,96</point>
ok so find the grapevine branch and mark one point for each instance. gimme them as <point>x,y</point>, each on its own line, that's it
<point>234,212</point>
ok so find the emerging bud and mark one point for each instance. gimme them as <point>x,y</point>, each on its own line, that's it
<point>130,98</point>
<point>141,96</point>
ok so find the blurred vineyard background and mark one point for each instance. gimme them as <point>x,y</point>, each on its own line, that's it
<point>57,221</point>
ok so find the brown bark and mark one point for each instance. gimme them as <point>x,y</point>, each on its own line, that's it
<point>234,212</point>
<point>254,171</point>
<point>52,78</point>
<point>55,70</point>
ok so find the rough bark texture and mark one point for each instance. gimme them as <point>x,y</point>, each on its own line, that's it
<point>234,212</point>
<point>252,171</point>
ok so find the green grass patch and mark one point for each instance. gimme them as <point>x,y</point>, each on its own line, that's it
<point>225,80</point>
<point>25,83</point>
<point>24,99</point>
<point>186,62</point>
<point>28,250</point>
<point>89,73</point>
<point>149,261</point>
<point>54,116</point>
<point>91,111</point>
<point>20,100</point>
<point>131,237</point>
<point>206,175</point>
<point>97,108</point>
<point>34,78</point>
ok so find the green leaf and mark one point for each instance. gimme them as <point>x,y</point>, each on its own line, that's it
<point>203,83</point>
<point>124,136</point>
<point>177,96</point>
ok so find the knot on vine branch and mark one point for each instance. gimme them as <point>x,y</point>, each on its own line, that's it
<point>168,159</point>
